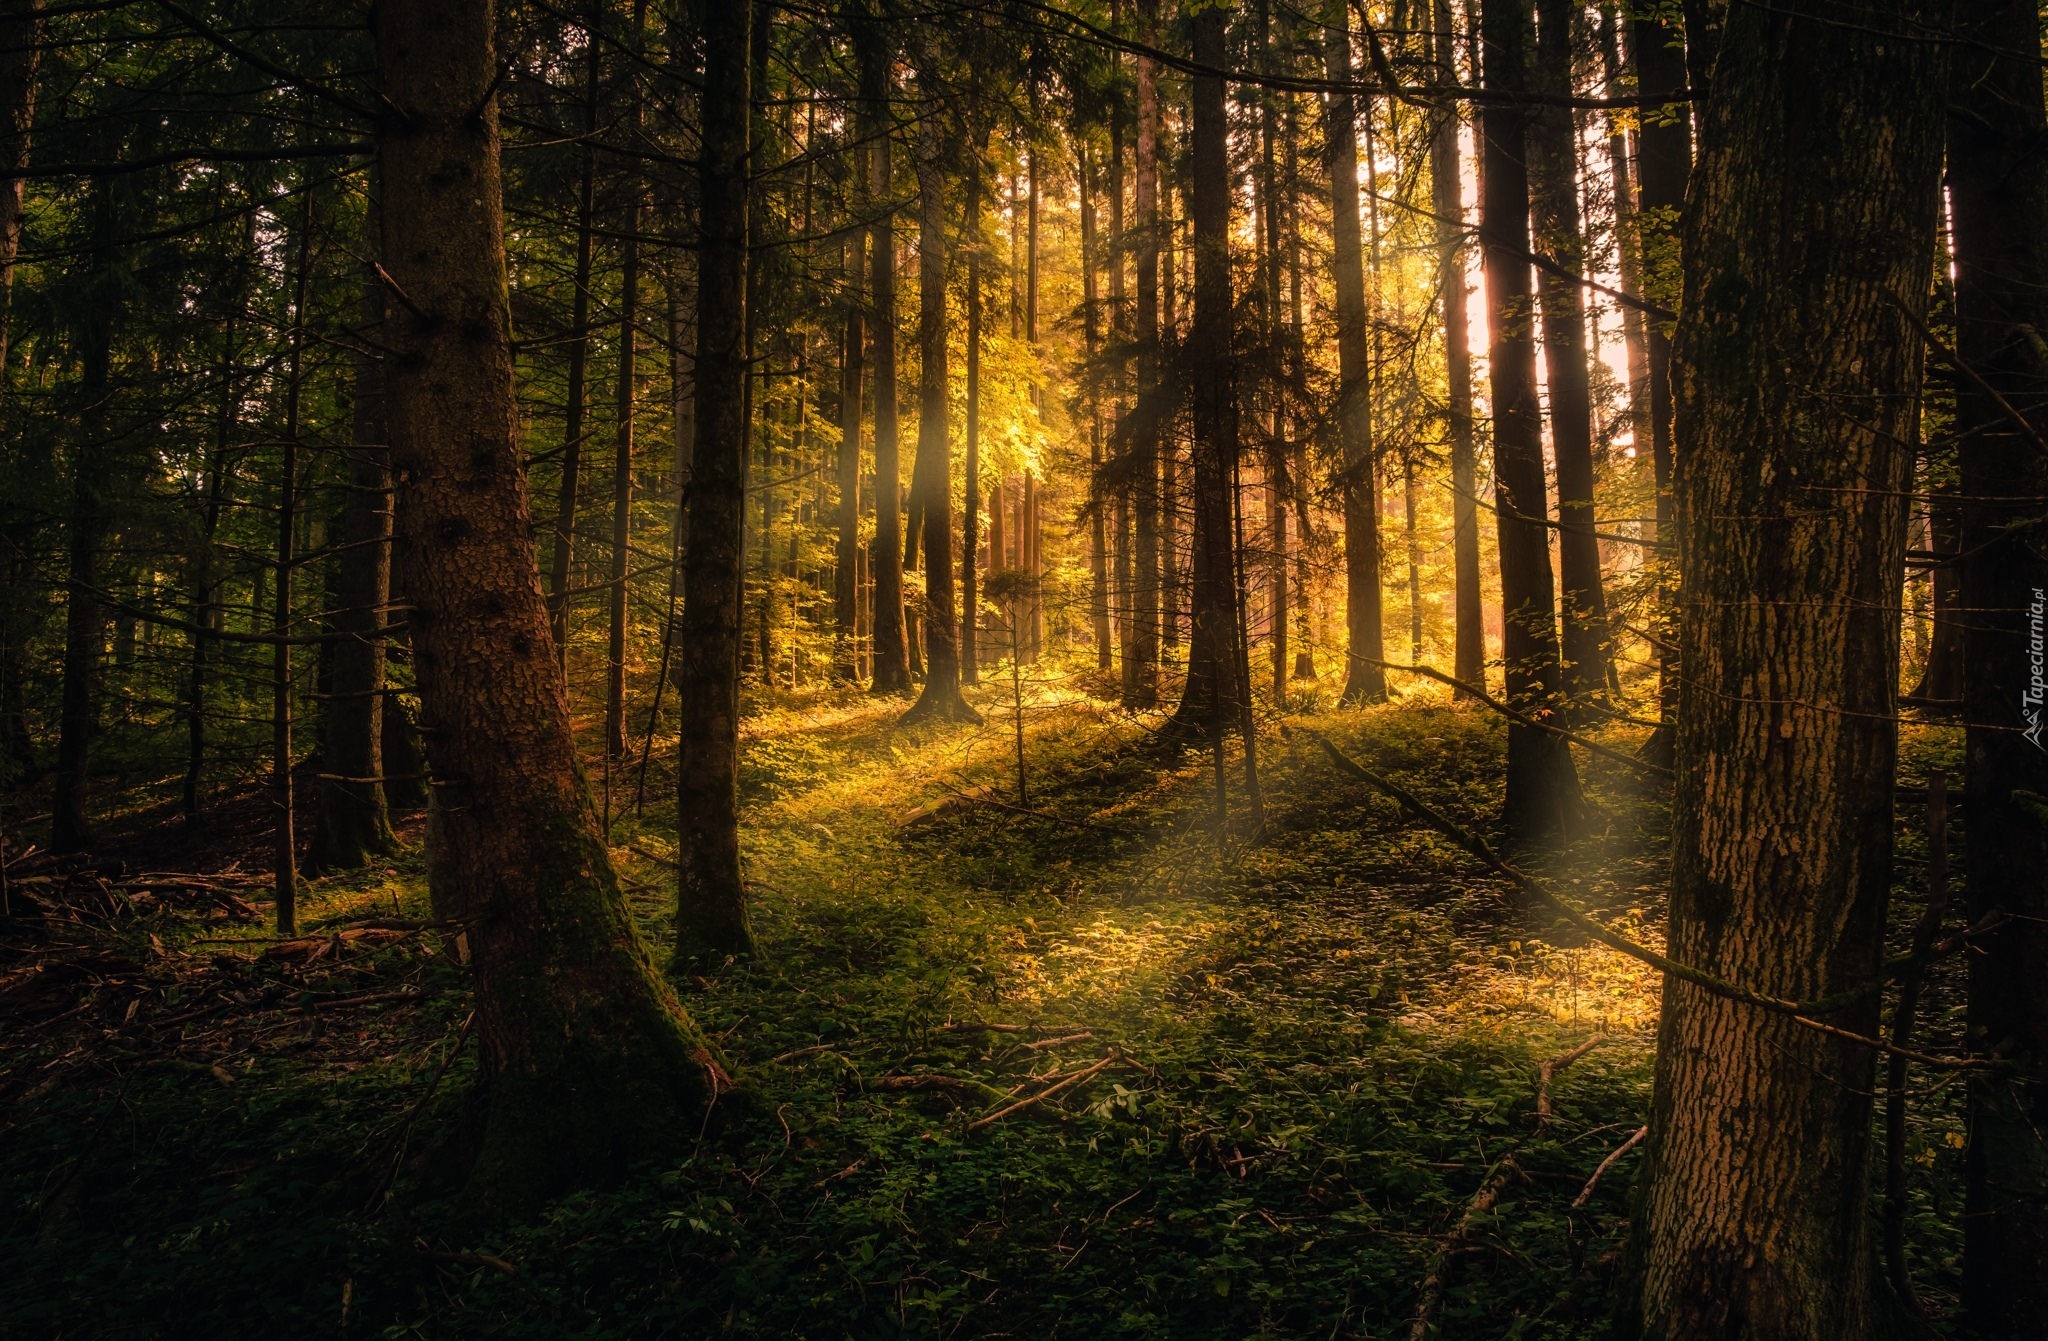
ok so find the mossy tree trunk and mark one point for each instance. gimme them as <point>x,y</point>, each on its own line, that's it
<point>1797,376</point>
<point>589,1064</point>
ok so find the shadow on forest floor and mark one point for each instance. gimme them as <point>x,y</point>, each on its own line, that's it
<point>1270,1071</point>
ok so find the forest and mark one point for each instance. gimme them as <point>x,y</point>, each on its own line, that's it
<point>1023,668</point>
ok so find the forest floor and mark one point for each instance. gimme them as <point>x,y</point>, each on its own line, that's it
<point>1286,1080</point>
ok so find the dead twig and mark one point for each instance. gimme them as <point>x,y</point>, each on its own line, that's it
<point>1431,1296</point>
<point>1586,1193</point>
<point>1057,1087</point>
<point>1549,1071</point>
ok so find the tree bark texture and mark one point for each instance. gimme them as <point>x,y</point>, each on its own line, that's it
<point>1447,195</point>
<point>353,823</point>
<point>1559,234</point>
<point>589,1065</point>
<point>940,698</point>
<point>1209,700</point>
<point>885,551</point>
<point>1797,373</point>
<point>1141,657</point>
<point>1542,785</point>
<point>1365,681</point>
<point>711,903</point>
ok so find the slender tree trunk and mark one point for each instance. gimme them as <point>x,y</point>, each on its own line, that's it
<point>1091,342</point>
<point>1447,189</point>
<point>940,698</point>
<point>573,430</point>
<point>885,552</point>
<point>1543,800</point>
<point>21,54</point>
<point>589,1066</point>
<point>1627,256</point>
<point>1998,188</point>
<point>1941,683</point>
<point>846,571</point>
<point>1554,163</point>
<point>85,617</point>
<point>353,823</point>
<point>285,875</point>
<point>1209,702</point>
<point>711,908</point>
<point>1141,657</point>
<point>1168,441</point>
<point>1364,680</point>
<point>1664,166</point>
<point>970,525</point>
<point>1797,371</point>
<point>622,478</point>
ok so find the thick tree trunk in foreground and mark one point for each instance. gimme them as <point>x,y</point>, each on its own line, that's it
<point>711,900</point>
<point>1365,681</point>
<point>940,697</point>
<point>1553,155</point>
<point>589,1064</point>
<point>1543,800</point>
<point>1998,186</point>
<point>1209,702</point>
<point>885,551</point>
<point>1447,195</point>
<point>1797,376</point>
<point>354,820</point>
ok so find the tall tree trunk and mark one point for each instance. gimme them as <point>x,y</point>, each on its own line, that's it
<point>1998,189</point>
<point>85,617</point>
<point>1627,257</point>
<point>1797,369</point>
<point>970,525</point>
<point>573,430</point>
<point>846,569</point>
<point>353,823</point>
<point>940,697</point>
<point>1554,177</point>
<point>1141,657</point>
<point>1543,800</point>
<point>1091,343</point>
<point>1364,679</point>
<point>711,907</point>
<point>588,1063</point>
<point>21,54</point>
<point>885,551</point>
<point>1663,166</point>
<point>622,477</point>
<point>1447,195</point>
<point>1209,701</point>
<point>285,873</point>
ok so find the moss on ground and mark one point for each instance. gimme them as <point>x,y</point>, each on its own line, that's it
<point>1298,1051</point>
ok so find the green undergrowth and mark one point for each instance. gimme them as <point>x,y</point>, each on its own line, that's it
<point>1300,1048</point>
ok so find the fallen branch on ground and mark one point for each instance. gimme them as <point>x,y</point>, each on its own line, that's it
<point>1048,1092</point>
<point>1430,1297</point>
<point>1549,1072</point>
<point>1586,1193</point>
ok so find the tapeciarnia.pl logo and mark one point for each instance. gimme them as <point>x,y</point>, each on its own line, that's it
<point>2037,686</point>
